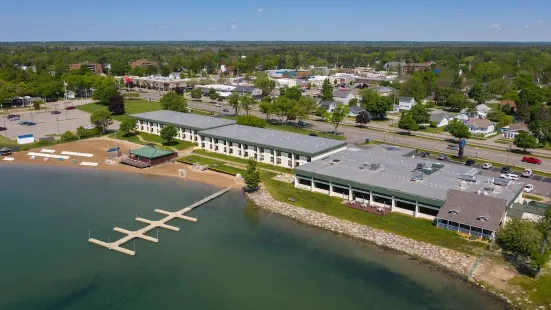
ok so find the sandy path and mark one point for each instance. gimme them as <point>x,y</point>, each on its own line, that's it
<point>99,146</point>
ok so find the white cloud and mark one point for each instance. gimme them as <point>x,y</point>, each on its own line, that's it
<point>496,27</point>
<point>540,22</point>
<point>161,27</point>
<point>259,10</point>
<point>233,26</point>
<point>527,26</point>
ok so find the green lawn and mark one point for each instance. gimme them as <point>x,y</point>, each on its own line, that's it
<point>151,138</point>
<point>213,164</point>
<point>538,290</point>
<point>418,229</point>
<point>242,161</point>
<point>433,129</point>
<point>131,107</point>
<point>532,197</point>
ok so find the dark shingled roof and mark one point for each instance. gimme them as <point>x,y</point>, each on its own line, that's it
<point>469,208</point>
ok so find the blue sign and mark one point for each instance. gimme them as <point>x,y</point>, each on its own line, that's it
<point>462,142</point>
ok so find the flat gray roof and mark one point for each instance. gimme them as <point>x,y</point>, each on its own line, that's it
<point>186,120</point>
<point>394,177</point>
<point>275,139</point>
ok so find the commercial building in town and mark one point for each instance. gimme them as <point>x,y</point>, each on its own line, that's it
<point>274,147</point>
<point>93,67</point>
<point>148,156</point>
<point>187,124</point>
<point>392,177</point>
<point>143,63</point>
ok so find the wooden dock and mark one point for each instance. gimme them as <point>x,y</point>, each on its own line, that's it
<point>141,233</point>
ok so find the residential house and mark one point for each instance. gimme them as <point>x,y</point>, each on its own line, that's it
<point>343,96</point>
<point>480,126</point>
<point>143,63</point>
<point>514,130</point>
<point>384,91</point>
<point>174,76</point>
<point>406,103</point>
<point>482,110</point>
<point>510,103</point>
<point>355,110</point>
<point>328,105</point>
<point>251,90</point>
<point>441,118</point>
<point>93,67</point>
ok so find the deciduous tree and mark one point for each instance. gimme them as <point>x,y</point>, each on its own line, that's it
<point>101,119</point>
<point>127,125</point>
<point>116,104</point>
<point>363,118</point>
<point>407,122</point>
<point>196,93</point>
<point>336,116</point>
<point>519,237</point>
<point>459,130</point>
<point>525,140</point>
<point>233,100</point>
<point>173,102</point>
<point>252,175</point>
<point>168,133</point>
<point>326,91</point>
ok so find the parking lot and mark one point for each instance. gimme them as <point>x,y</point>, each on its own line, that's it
<point>46,123</point>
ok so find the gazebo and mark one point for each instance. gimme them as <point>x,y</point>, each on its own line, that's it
<point>5,151</point>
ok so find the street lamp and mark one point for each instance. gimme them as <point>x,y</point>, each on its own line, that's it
<point>57,120</point>
<point>5,129</point>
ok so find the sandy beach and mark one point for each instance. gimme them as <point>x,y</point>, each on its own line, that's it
<point>99,147</point>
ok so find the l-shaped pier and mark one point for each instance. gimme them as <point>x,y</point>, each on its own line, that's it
<point>141,233</point>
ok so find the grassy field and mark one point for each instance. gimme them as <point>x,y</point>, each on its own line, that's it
<point>151,138</point>
<point>213,164</point>
<point>131,107</point>
<point>538,290</point>
<point>242,161</point>
<point>418,229</point>
<point>532,197</point>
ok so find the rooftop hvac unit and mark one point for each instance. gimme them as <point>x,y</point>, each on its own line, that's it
<point>467,177</point>
<point>375,167</point>
<point>420,166</point>
<point>501,182</point>
<point>417,176</point>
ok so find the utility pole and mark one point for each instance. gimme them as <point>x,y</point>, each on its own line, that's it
<point>57,120</point>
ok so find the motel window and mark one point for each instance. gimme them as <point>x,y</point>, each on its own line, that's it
<point>225,150</point>
<point>216,148</point>
<point>290,163</point>
<point>289,155</point>
<point>239,152</point>
<point>428,211</point>
<point>271,159</point>
<point>246,154</point>
<point>308,159</point>
<point>261,150</point>
<point>278,161</point>
<point>262,157</point>
<point>278,153</point>
<point>203,145</point>
<point>321,186</point>
<point>231,151</point>
<point>305,182</point>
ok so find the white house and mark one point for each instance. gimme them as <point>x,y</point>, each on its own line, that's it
<point>384,91</point>
<point>328,105</point>
<point>441,118</point>
<point>514,130</point>
<point>174,76</point>
<point>355,110</point>
<point>343,96</point>
<point>480,126</point>
<point>406,103</point>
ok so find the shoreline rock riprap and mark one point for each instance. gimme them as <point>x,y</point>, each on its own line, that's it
<point>457,262</point>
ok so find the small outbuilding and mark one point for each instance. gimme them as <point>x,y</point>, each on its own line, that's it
<point>25,139</point>
<point>148,156</point>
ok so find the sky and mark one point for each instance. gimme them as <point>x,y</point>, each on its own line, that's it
<point>285,20</point>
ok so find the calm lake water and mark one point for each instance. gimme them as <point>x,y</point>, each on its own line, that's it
<point>234,257</point>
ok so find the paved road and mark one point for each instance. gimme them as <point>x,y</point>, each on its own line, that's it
<point>358,135</point>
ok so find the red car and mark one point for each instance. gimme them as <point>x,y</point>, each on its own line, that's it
<point>71,107</point>
<point>531,160</point>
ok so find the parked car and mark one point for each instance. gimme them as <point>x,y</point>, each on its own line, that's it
<point>425,154</point>
<point>71,107</point>
<point>3,128</point>
<point>528,188</point>
<point>313,135</point>
<point>469,162</point>
<point>88,127</point>
<point>527,173</point>
<point>487,166</point>
<point>453,147</point>
<point>505,169</point>
<point>531,160</point>
<point>13,117</point>
<point>213,102</point>
<point>218,105</point>
<point>56,112</point>
<point>443,157</point>
<point>510,176</point>
<point>225,110</point>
